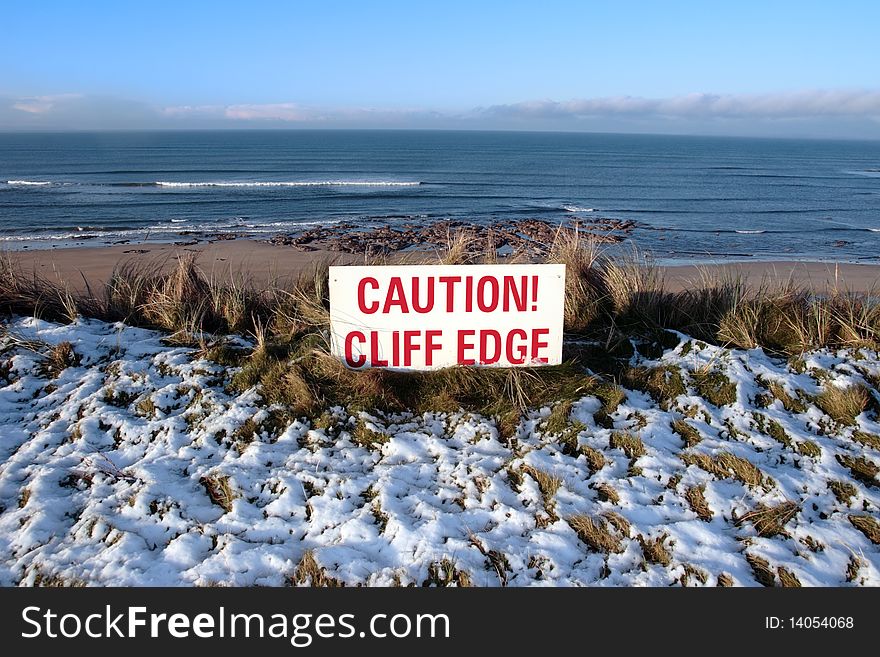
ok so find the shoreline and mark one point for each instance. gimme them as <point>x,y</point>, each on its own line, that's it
<point>261,262</point>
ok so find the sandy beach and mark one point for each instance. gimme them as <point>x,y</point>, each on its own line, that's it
<point>261,262</point>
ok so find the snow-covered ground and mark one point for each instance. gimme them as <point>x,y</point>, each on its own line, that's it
<point>134,466</point>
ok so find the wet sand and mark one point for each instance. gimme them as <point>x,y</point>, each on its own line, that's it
<point>261,263</point>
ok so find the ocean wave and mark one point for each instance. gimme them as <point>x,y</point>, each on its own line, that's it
<point>224,184</point>
<point>751,232</point>
<point>161,232</point>
<point>295,183</point>
<point>576,208</point>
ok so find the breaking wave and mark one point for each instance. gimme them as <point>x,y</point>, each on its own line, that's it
<point>168,183</point>
<point>295,183</point>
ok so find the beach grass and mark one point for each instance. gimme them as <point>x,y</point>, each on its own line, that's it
<point>610,302</point>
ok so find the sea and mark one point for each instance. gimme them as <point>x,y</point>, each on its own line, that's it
<point>693,199</point>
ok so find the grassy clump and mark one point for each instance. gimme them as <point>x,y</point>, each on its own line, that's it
<point>664,384</point>
<point>843,405</point>
<point>146,407</point>
<point>225,354</point>
<point>689,434</point>
<point>444,574</point>
<point>611,395</point>
<point>244,435</point>
<point>558,420</point>
<point>595,459</point>
<point>307,380</point>
<point>809,448</point>
<point>715,387</point>
<point>770,521</point>
<point>603,534</point>
<point>725,465</point>
<point>861,468</point>
<point>548,485</point>
<point>867,439</point>
<point>654,550</point>
<point>725,580</point>
<point>761,570</point>
<point>843,491</point>
<point>774,429</point>
<point>59,358</point>
<point>697,501</point>
<point>219,490</point>
<point>787,579</point>
<point>607,493</point>
<point>363,436</point>
<point>630,443</point>
<point>309,573</point>
<point>791,404</point>
<point>868,526</point>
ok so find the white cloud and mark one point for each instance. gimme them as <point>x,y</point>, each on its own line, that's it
<point>42,104</point>
<point>835,113</point>
<point>795,105</point>
<point>270,111</point>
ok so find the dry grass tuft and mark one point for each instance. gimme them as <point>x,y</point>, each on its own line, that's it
<point>715,387</point>
<point>599,534</point>
<point>689,434</point>
<point>558,420</point>
<point>843,491</point>
<point>309,573</point>
<point>584,285</point>
<point>363,436</point>
<point>630,443</point>
<point>868,526</point>
<point>697,501</point>
<point>843,405</point>
<point>607,493</point>
<point>219,490</point>
<point>59,358</point>
<point>663,384</point>
<point>761,570</point>
<point>791,404</point>
<point>787,578</point>
<point>548,484</point>
<point>654,550</point>
<point>725,580</point>
<point>444,574</point>
<point>595,459</point>
<point>725,465</point>
<point>770,521</point>
<point>861,469</point>
<point>867,439</point>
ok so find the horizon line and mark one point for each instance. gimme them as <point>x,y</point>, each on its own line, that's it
<point>698,135</point>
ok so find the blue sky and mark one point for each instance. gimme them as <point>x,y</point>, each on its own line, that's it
<point>739,67</point>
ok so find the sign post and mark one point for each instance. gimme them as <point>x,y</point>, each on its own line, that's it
<point>422,317</point>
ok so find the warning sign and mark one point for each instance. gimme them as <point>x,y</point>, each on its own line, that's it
<point>430,316</point>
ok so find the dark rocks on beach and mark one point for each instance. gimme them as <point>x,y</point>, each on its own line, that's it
<point>222,237</point>
<point>529,236</point>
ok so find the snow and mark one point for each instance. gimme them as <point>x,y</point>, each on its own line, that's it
<point>97,487</point>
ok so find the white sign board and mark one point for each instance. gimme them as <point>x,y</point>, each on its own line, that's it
<point>420,317</point>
